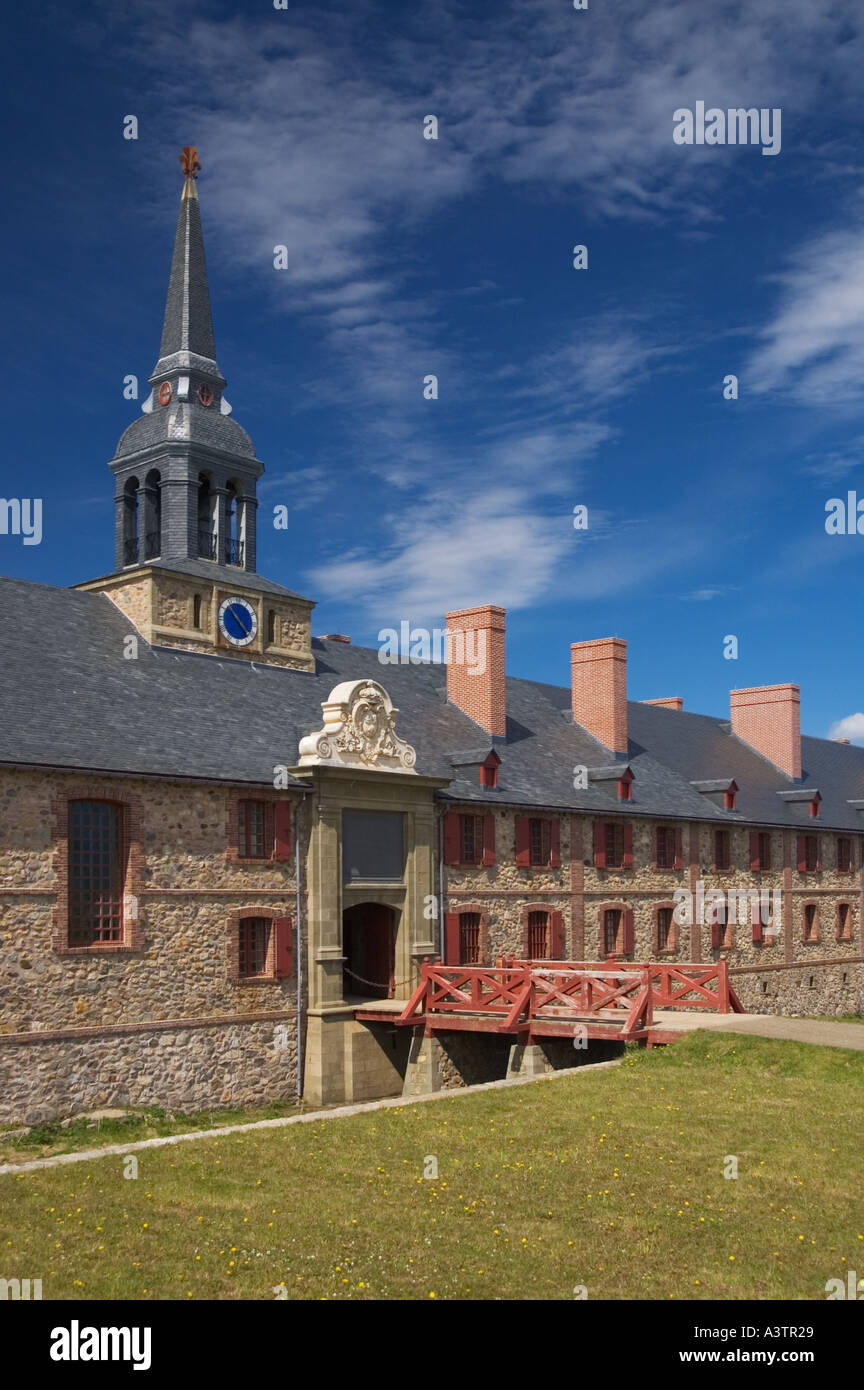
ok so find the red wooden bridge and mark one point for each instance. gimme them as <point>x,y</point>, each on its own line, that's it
<point>543,999</point>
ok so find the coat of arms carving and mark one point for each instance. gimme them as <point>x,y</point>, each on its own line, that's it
<point>359,731</point>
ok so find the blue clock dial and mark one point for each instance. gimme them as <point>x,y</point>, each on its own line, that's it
<point>238,622</point>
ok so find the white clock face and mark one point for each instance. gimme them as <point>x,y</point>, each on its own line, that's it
<point>238,622</point>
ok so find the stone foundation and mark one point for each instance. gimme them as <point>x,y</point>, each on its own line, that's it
<point>176,1067</point>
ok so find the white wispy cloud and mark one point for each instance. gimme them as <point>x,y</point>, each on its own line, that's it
<point>851,727</point>
<point>813,347</point>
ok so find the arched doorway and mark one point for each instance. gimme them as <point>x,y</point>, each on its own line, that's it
<point>369,947</point>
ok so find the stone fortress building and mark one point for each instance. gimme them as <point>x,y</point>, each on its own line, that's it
<point>220,834</point>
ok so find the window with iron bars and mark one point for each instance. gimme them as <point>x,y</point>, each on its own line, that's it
<point>538,935</point>
<point>469,938</point>
<point>96,872</point>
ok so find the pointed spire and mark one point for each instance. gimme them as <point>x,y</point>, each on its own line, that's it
<point>188,326</point>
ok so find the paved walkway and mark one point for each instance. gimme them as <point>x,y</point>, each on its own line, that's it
<point>806,1030</point>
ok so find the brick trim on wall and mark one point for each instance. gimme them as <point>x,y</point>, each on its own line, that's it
<point>602,908</point>
<point>232,944</point>
<point>550,912</point>
<point>806,940</point>
<point>851,933</point>
<point>674,931</point>
<point>484,948</point>
<point>131,834</point>
<point>232,824</point>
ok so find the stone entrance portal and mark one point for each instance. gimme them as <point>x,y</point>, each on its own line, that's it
<point>369,948</point>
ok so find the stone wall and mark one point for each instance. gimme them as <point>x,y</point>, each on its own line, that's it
<point>581,892</point>
<point>179,1067</point>
<point>801,990</point>
<point>183,907</point>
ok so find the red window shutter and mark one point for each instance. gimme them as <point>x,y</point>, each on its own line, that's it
<point>555,844</point>
<point>523,842</point>
<point>757,922</point>
<point>451,938</point>
<point>802,853</point>
<point>488,839</point>
<point>556,936</point>
<point>283,928</point>
<point>628,931</point>
<point>451,837</point>
<point>679,848</point>
<point>282,845</point>
<point>755,861</point>
<point>628,845</point>
<point>599,846</point>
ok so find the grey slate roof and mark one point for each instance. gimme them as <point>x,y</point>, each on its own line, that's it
<point>188,323</point>
<point>69,699</point>
<point>185,423</point>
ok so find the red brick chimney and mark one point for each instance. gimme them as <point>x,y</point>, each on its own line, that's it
<point>599,689</point>
<point>668,702</point>
<point>768,717</point>
<point>475,665</point>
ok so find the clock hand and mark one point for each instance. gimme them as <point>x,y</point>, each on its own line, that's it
<point>239,621</point>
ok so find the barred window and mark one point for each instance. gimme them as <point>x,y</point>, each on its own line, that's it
<point>96,872</point>
<point>844,854</point>
<point>255,829</point>
<point>811,922</point>
<point>470,839</point>
<point>253,946</point>
<point>540,834</point>
<point>469,938</point>
<point>611,928</point>
<point>538,935</point>
<point>665,940</point>
<point>764,850</point>
<point>811,853</point>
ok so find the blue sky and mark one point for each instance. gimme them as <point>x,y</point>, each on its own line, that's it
<point>407,257</point>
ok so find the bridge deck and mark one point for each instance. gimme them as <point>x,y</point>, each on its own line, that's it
<point>548,999</point>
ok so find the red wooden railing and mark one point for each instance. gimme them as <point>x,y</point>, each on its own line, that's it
<point>516,994</point>
<point>673,986</point>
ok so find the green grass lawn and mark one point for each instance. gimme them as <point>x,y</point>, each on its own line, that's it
<point>42,1141</point>
<point>610,1179</point>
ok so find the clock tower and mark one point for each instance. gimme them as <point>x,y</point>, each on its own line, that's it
<point>185,497</point>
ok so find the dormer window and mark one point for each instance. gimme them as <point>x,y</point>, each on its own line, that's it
<point>814,807</point>
<point>729,798</point>
<point>625,784</point>
<point>489,770</point>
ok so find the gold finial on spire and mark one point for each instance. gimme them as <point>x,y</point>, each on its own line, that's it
<point>189,161</point>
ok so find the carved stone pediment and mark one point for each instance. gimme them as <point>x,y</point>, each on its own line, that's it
<point>359,731</point>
